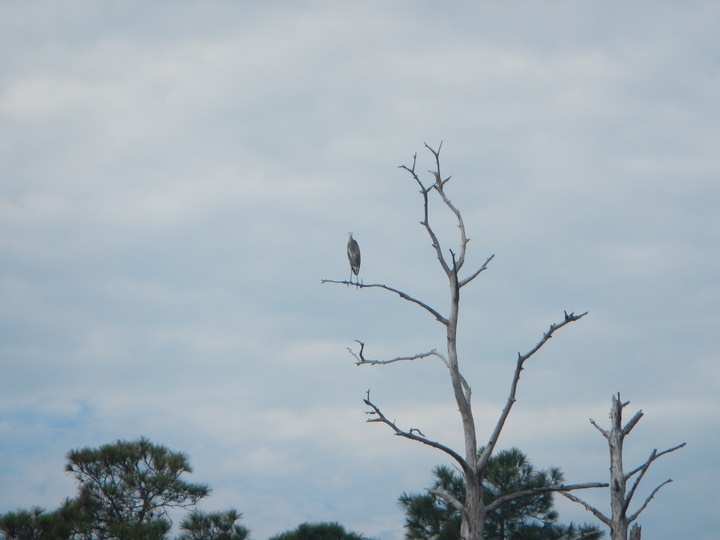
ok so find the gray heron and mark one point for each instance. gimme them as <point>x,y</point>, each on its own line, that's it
<point>353,251</point>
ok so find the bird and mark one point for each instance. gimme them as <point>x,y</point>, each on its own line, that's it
<point>353,251</point>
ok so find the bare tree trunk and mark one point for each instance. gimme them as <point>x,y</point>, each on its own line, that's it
<point>473,515</point>
<point>635,532</point>
<point>474,512</point>
<point>618,521</point>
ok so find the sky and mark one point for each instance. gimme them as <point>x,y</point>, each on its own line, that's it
<point>178,177</point>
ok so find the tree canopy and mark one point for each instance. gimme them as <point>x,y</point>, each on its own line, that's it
<point>318,531</point>
<point>37,524</point>
<point>530,517</point>
<point>129,485</point>
<point>124,493</point>
<point>214,525</point>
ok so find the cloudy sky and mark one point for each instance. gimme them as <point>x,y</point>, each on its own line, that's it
<point>178,177</point>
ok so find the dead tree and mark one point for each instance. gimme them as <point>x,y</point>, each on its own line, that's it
<point>471,463</point>
<point>620,496</point>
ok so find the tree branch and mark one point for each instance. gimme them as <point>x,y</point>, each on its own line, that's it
<point>569,317</point>
<point>643,469</point>
<point>656,456</point>
<point>597,513</point>
<point>522,358</point>
<point>546,489</point>
<point>411,434</point>
<point>439,186</point>
<point>468,279</point>
<point>360,358</point>
<point>400,293</point>
<point>447,497</point>
<point>426,222</point>
<point>633,517</point>
<point>632,422</point>
<point>601,430</point>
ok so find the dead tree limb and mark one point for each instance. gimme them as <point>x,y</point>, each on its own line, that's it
<point>634,516</point>
<point>447,497</point>
<point>452,269</point>
<point>378,416</point>
<point>655,454</point>
<point>521,359</point>
<point>361,360</point>
<point>597,513</point>
<point>400,293</point>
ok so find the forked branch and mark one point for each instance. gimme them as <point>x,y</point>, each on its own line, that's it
<point>455,263</point>
<point>426,218</point>
<point>642,469</point>
<point>439,186</point>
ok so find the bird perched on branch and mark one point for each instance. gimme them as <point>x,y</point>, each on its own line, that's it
<point>353,251</point>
